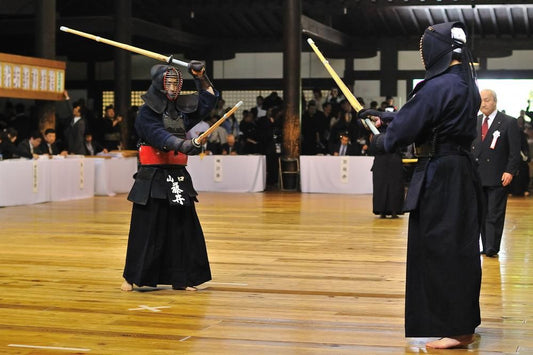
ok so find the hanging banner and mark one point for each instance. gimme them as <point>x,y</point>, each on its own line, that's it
<point>218,177</point>
<point>31,78</point>
<point>345,173</point>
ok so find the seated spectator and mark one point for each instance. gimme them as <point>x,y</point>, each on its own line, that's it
<point>217,138</point>
<point>29,147</point>
<point>8,149</point>
<point>344,147</point>
<point>48,145</point>
<point>249,134</point>
<point>229,148</point>
<point>92,147</point>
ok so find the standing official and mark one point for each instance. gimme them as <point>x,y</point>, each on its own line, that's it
<point>166,243</point>
<point>497,152</point>
<point>443,264</point>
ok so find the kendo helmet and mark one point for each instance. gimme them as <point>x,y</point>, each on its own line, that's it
<point>439,44</point>
<point>167,79</point>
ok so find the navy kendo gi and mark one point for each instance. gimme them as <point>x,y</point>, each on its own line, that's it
<point>166,244</point>
<point>444,198</point>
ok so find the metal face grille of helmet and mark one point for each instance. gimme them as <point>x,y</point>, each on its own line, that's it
<point>421,50</point>
<point>172,83</point>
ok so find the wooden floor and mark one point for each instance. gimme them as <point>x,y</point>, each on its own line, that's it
<point>292,274</point>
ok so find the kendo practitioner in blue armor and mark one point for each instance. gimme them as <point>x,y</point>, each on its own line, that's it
<point>166,244</point>
<point>444,198</point>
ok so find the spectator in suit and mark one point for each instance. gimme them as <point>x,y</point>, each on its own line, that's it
<point>335,99</point>
<point>48,145</point>
<point>230,147</point>
<point>75,130</point>
<point>497,151</point>
<point>344,146</point>
<point>29,147</point>
<point>8,149</point>
<point>350,124</point>
<point>318,99</point>
<point>92,147</point>
<point>249,135</point>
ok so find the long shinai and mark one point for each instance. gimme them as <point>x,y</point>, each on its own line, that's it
<point>146,53</point>
<point>160,57</point>
<point>347,93</point>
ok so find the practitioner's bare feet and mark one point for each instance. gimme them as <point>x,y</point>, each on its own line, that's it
<point>451,342</point>
<point>126,286</point>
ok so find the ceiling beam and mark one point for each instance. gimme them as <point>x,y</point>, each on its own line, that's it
<point>423,3</point>
<point>324,33</point>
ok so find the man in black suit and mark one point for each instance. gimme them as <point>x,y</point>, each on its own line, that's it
<point>497,152</point>
<point>48,145</point>
<point>29,147</point>
<point>344,147</point>
<point>75,131</point>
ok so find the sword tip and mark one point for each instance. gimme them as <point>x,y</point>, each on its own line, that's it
<point>310,41</point>
<point>64,28</point>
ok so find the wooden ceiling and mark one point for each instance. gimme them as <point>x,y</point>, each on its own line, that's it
<point>218,29</point>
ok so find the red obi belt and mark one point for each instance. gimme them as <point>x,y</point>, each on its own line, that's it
<point>149,155</point>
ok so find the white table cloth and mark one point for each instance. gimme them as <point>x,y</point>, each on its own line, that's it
<point>24,181</point>
<point>71,178</point>
<point>336,174</point>
<point>114,175</point>
<point>228,173</point>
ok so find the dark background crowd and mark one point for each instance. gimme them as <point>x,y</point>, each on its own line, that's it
<point>329,126</point>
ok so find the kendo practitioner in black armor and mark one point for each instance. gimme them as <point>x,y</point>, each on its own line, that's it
<point>166,244</point>
<point>444,198</point>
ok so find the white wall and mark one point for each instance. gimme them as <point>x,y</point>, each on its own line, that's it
<point>519,60</point>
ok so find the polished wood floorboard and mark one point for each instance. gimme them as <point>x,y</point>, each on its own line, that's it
<point>292,274</point>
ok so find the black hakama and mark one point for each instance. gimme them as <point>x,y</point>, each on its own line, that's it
<point>166,244</point>
<point>443,261</point>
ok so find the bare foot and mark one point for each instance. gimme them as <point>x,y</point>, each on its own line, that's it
<point>126,286</point>
<point>185,288</point>
<point>451,342</point>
